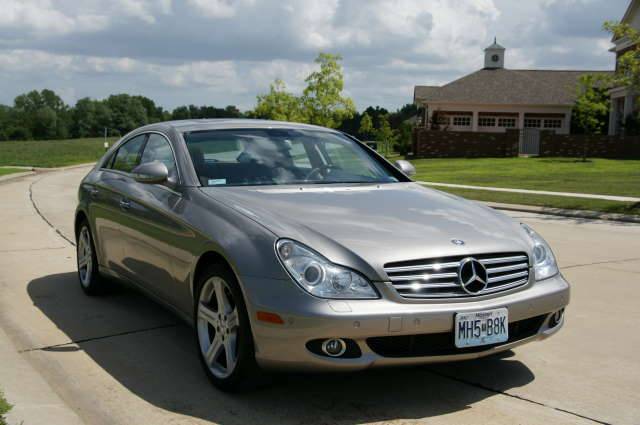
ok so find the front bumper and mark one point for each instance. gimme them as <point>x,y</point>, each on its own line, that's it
<point>306,318</point>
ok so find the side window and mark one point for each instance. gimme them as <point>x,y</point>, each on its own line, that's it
<point>158,149</point>
<point>128,155</point>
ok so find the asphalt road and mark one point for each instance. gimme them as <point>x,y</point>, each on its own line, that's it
<point>122,359</point>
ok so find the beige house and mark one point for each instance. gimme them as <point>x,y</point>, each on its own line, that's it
<point>494,99</point>
<point>622,100</point>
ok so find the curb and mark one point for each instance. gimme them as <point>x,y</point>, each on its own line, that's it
<point>13,176</point>
<point>581,214</point>
<point>66,167</point>
<point>35,170</point>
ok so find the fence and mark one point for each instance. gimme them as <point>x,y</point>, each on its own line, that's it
<point>461,144</point>
<point>578,145</point>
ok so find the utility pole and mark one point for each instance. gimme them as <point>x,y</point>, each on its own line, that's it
<point>106,144</point>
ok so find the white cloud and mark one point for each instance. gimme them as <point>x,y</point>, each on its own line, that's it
<point>216,8</point>
<point>208,75</point>
<point>228,51</point>
<point>40,17</point>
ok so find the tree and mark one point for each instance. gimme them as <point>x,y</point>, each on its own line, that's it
<point>180,113</point>
<point>628,64</point>
<point>627,73</point>
<point>591,108</point>
<point>590,113</point>
<point>42,115</point>
<point>403,143</point>
<point>322,98</point>
<point>366,126</point>
<point>385,134</point>
<point>5,117</point>
<point>154,113</point>
<point>280,105</point>
<point>127,112</point>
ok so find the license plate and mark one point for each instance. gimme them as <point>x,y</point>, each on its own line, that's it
<point>481,328</point>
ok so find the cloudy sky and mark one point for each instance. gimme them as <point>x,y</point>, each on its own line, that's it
<point>224,52</point>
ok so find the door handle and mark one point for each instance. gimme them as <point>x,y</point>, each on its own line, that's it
<point>93,192</point>
<point>125,204</point>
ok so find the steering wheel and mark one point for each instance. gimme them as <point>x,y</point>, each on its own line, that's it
<point>317,172</point>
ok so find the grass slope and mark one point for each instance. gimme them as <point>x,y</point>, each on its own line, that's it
<point>6,170</point>
<point>51,153</point>
<point>547,201</point>
<point>598,176</point>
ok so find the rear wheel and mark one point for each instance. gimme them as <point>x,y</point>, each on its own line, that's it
<point>90,280</point>
<point>223,331</point>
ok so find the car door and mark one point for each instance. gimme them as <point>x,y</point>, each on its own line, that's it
<point>109,203</point>
<point>155,236</point>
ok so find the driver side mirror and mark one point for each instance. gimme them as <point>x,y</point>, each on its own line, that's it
<point>405,166</point>
<point>151,172</point>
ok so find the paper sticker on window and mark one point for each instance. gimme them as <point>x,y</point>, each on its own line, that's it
<point>216,182</point>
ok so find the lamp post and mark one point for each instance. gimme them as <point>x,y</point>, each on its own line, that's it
<point>106,144</point>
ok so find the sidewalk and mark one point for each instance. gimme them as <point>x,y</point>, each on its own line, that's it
<point>25,241</point>
<point>536,192</point>
<point>33,400</point>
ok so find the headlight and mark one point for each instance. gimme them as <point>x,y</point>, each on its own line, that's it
<point>320,277</point>
<point>544,263</point>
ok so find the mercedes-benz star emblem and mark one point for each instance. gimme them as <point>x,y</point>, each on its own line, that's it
<point>472,275</point>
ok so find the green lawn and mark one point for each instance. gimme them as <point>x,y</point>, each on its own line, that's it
<point>547,201</point>
<point>7,170</point>
<point>599,176</point>
<point>4,408</point>
<point>51,153</point>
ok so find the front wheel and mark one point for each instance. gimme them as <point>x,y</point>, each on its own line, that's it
<point>88,273</point>
<point>223,331</point>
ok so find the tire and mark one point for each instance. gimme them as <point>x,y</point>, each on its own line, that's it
<point>87,262</point>
<point>223,331</point>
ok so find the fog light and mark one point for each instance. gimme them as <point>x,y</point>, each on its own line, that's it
<point>334,347</point>
<point>556,318</point>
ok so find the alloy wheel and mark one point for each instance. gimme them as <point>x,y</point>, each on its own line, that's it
<point>85,257</point>
<point>217,325</point>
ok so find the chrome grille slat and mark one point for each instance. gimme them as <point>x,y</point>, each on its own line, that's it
<point>508,277</point>
<point>437,278</point>
<point>505,287</point>
<point>507,268</point>
<point>435,266</point>
<point>441,295</point>
<point>503,259</point>
<point>426,285</point>
<point>423,277</point>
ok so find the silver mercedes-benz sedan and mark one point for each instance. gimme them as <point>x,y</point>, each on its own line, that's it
<point>291,246</point>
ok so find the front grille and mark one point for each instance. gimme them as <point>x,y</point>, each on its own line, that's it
<point>438,277</point>
<point>443,344</point>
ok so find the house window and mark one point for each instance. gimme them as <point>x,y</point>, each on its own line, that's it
<point>532,123</point>
<point>487,122</point>
<point>462,121</point>
<point>553,123</point>
<point>442,119</point>
<point>507,122</point>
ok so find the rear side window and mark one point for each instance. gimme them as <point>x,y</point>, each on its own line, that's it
<point>128,155</point>
<point>158,149</point>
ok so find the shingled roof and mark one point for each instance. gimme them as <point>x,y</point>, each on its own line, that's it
<point>507,87</point>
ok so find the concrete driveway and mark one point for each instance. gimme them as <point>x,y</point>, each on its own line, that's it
<point>122,359</point>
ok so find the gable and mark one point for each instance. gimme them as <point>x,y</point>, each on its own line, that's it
<point>507,87</point>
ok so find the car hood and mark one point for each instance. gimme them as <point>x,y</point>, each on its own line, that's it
<point>366,226</point>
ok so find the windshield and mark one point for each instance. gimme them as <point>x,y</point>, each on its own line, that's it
<point>243,157</point>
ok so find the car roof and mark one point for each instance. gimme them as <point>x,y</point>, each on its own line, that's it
<point>226,123</point>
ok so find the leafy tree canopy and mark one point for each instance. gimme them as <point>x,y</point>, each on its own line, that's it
<point>321,102</point>
<point>591,109</point>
